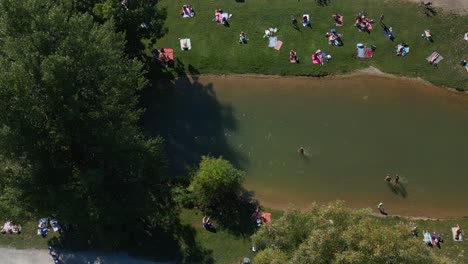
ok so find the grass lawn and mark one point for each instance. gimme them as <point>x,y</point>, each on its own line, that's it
<point>27,239</point>
<point>216,49</point>
<point>224,247</point>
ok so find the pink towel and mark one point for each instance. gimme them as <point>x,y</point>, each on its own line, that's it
<point>278,45</point>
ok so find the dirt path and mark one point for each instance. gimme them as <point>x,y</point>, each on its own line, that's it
<point>29,256</point>
<point>456,6</point>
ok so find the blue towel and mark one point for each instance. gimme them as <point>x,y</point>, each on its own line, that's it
<point>272,42</point>
<point>360,52</point>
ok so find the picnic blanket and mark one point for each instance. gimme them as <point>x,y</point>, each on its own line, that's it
<point>427,238</point>
<point>272,42</point>
<point>278,45</point>
<point>364,52</point>
<point>185,44</point>
<point>454,233</point>
<point>169,53</point>
<point>434,58</point>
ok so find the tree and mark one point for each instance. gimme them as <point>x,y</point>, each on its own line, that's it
<point>138,19</point>
<point>335,234</point>
<point>69,141</point>
<point>215,183</point>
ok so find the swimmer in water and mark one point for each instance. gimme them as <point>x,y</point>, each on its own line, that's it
<point>301,151</point>
<point>388,178</point>
<point>397,179</point>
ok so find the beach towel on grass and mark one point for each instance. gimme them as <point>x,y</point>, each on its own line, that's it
<point>278,45</point>
<point>272,42</point>
<point>427,238</point>
<point>388,34</point>
<point>185,44</point>
<point>454,234</point>
<point>169,53</point>
<point>364,52</point>
<point>437,56</point>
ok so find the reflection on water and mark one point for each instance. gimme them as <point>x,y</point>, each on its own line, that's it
<point>354,130</point>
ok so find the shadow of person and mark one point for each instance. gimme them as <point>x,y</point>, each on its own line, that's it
<point>401,189</point>
<point>391,186</point>
<point>211,228</point>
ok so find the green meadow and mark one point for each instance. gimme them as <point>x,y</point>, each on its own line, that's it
<point>216,48</point>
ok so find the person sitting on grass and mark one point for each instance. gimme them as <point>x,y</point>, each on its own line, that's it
<point>305,21</point>
<point>338,19</point>
<point>242,38</point>
<point>458,232</point>
<point>427,35</point>
<point>466,37</point>
<point>293,57</point>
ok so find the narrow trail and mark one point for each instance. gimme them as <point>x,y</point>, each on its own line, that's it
<point>41,256</point>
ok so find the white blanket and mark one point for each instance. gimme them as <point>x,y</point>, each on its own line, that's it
<point>185,44</point>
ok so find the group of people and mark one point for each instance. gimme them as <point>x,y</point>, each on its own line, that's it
<point>388,178</point>
<point>363,23</point>
<point>10,228</point>
<point>187,11</point>
<point>43,226</point>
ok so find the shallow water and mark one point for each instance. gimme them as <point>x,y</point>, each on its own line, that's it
<point>354,129</point>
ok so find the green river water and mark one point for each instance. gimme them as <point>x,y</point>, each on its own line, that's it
<point>354,129</point>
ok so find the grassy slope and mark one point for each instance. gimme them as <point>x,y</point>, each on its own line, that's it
<point>215,48</point>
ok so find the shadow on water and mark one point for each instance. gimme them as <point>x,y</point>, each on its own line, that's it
<point>187,114</point>
<point>398,189</point>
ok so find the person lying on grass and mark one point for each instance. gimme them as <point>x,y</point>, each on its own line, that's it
<point>293,57</point>
<point>338,19</point>
<point>242,38</point>
<point>334,38</point>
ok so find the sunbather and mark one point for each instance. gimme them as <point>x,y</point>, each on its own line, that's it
<point>466,37</point>
<point>334,38</point>
<point>427,35</point>
<point>242,38</point>
<point>338,19</point>
<point>293,56</point>
<point>458,232</point>
<point>305,21</point>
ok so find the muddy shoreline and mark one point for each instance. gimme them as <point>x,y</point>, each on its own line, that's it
<point>370,71</point>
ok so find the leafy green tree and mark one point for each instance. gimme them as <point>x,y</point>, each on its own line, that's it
<point>335,234</point>
<point>138,19</point>
<point>215,183</point>
<point>69,141</point>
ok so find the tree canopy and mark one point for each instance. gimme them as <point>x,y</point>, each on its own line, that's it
<point>138,19</point>
<point>335,234</point>
<point>216,181</point>
<point>69,141</point>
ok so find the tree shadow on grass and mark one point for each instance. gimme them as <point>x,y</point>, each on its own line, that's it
<point>176,243</point>
<point>188,115</point>
<point>234,213</point>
